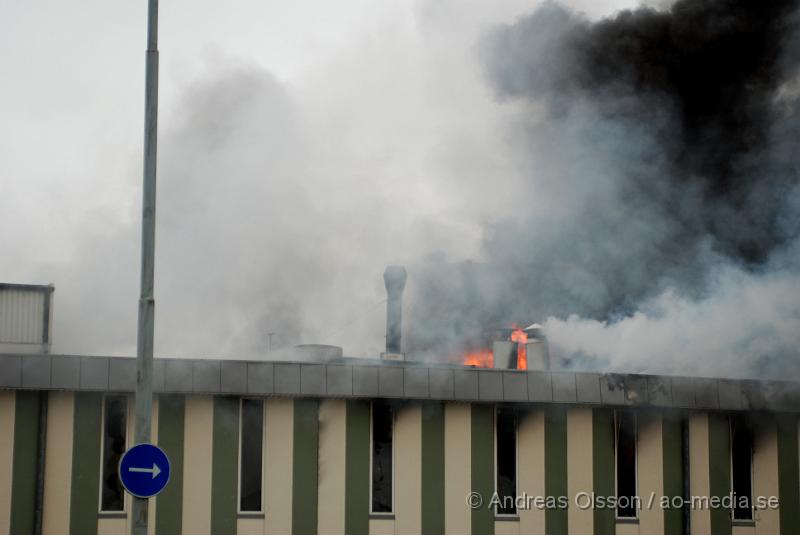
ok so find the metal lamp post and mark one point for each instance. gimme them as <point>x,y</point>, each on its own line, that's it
<point>144,341</point>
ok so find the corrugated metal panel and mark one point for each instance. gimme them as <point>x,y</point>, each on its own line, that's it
<point>21,316</point>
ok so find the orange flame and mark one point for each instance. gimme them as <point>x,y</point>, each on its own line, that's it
<point>521,337</point>
<point>483,358</point>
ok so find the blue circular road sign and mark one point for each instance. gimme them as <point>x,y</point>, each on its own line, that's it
<point>144,470</point>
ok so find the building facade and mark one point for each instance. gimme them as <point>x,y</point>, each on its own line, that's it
<point>369,448</point>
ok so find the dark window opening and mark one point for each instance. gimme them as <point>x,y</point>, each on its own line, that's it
<point>506,425</point>
<point>685,456</point>
<point>382,424</point>
<point>112,497</point>
<point>742,469</point>
<point>252,437</point>
<point>626,464</point>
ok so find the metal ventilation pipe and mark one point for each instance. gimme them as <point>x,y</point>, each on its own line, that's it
<point>537,349</point>
<point>395,280</point>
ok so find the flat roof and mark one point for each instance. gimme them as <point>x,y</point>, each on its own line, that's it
<point>348,378</point>
<point>27,287</point>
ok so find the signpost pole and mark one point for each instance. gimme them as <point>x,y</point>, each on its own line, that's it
<point>144,341</point>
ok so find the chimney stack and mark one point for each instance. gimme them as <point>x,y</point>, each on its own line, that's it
<point>395,280</point>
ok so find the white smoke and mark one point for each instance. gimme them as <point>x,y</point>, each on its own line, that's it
<point>745,322</point>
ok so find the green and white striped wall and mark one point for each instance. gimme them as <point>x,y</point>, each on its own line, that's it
<point>316,468</point>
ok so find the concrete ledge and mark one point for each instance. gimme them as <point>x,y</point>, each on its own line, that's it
<point>565,389</point>
<point>178,376</point>
<point>233,376</point>
<point>465,384</point>
<point>416,383</point>
<point>339,381</point>
<point>365,381</point>
<point>10,371</point>
<point>206,376</point>
<point>260,378</point>
<point>441,383</point>
<point>312,380</point>
<point>404,380</point>
<point>390,382</point>
<point>682,392</point>
<point>36,372</point>
<point>515,386</point>
<point>122,375</point>
<point>287,378</point>
<point>706,393</point>
<point>94,373</point>
<point>540,387</point>
<point>659,391</point>
<point>490,385</point>
<point>588,385</point>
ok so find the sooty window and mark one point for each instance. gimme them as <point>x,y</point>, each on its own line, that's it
<point>112,496</point>
<point>742,469</point>
<point>251,441</point>
<point>506,461</point>
<point>625,455</point>
<point>382,457</point>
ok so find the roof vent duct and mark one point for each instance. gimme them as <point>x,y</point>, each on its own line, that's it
<point>395,280</point>
<point>537,350</point>
<point>26,318</point>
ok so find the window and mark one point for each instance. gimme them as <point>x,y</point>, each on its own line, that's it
<point>506,461</point>
<point>115,408</point>
<point>742,469</point>
<point>251,440</point>
<point>625,456</point>
<point>382,457</point>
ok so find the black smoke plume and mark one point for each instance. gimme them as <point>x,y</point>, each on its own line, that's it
<point>671,139</point>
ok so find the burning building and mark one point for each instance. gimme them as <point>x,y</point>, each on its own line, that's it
<point>670,131</point>
<point>325,444</point>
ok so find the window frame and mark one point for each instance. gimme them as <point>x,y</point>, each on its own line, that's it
<point>126,397</point>
<point>635,418</point>
<point>380,514</point>
<point>515,514</point>
<point>732,420</point>
<point>261,510</point>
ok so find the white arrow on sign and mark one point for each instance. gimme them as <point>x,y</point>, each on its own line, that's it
<point>155,470</point>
